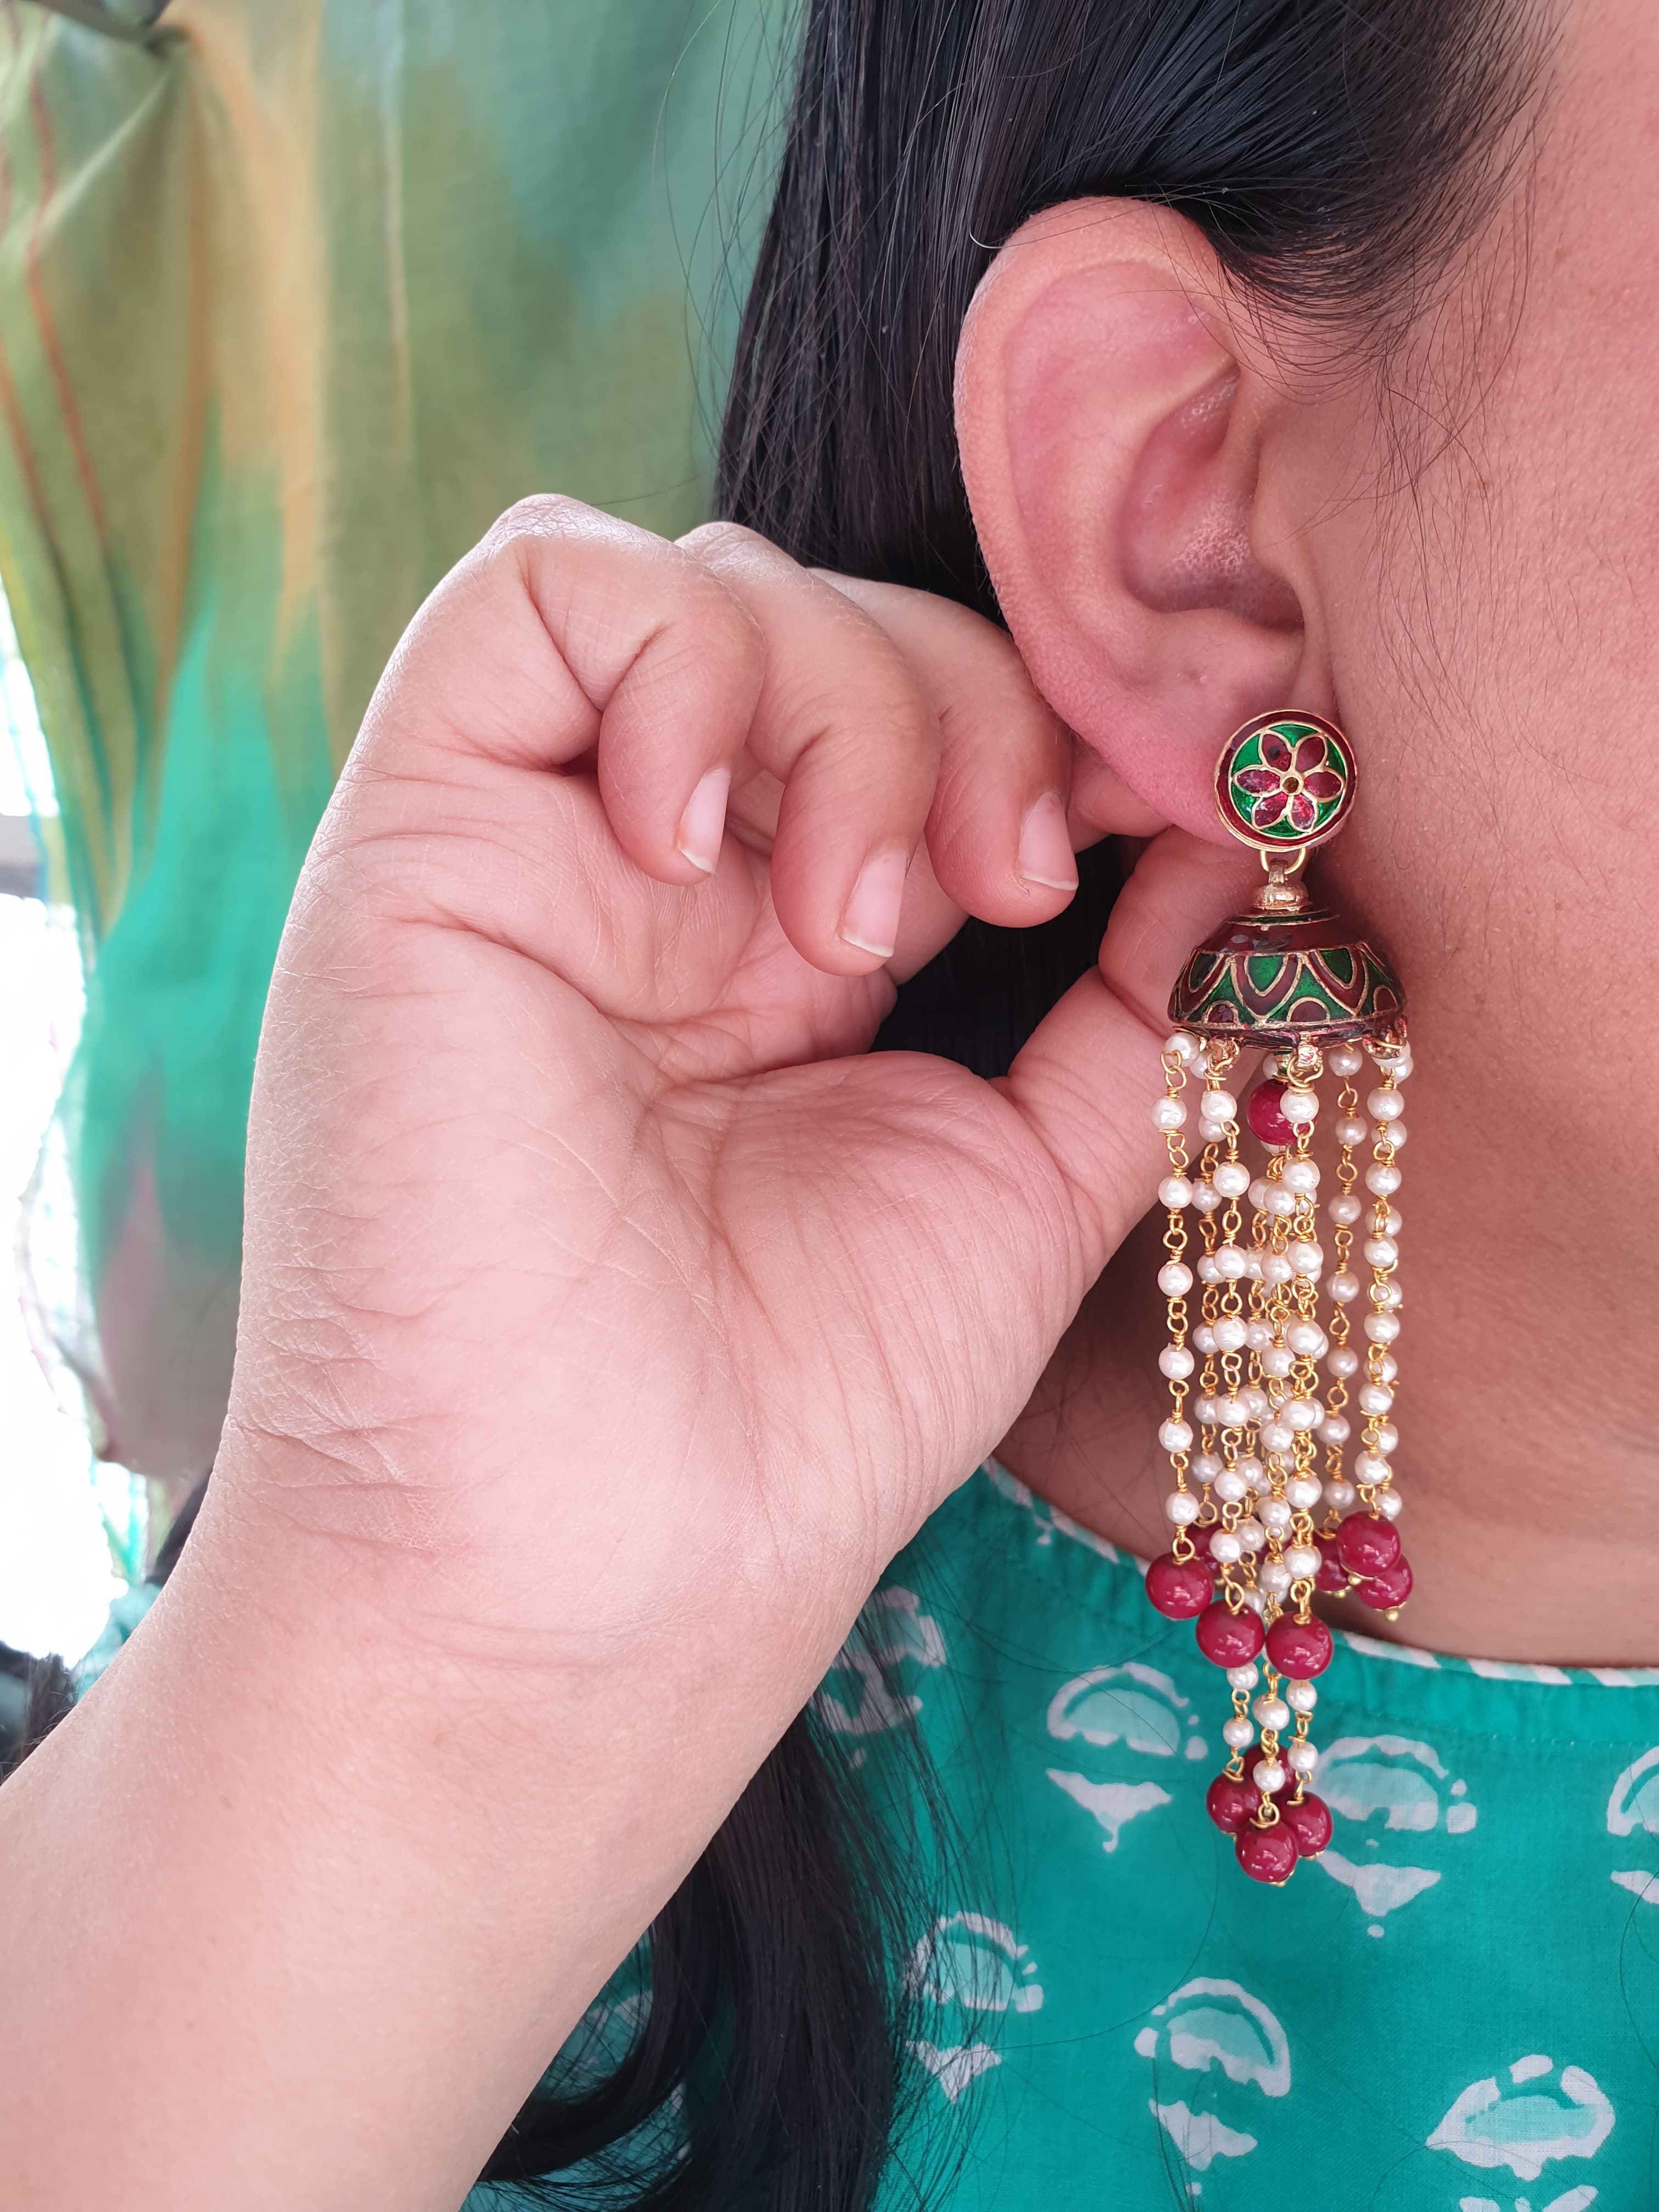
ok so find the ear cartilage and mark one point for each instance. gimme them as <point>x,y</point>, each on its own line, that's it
<point>1260,1525</point>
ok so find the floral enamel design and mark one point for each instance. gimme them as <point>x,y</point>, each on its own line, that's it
<point>1285,784</point>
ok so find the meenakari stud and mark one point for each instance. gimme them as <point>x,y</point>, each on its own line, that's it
<point>1273,1378</point>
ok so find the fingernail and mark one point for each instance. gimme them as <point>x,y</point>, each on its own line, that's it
<point>704,821</point>
<point>1045,846</point>
<point>870,921</point>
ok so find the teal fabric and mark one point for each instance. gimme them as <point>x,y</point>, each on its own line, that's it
<point>1455,2010</point>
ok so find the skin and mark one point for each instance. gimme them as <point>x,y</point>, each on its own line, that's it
<point>610,1321</point>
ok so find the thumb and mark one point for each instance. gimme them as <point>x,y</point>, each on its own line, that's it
<point>1086,1081</point>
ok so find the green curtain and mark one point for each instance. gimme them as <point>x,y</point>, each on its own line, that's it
<point>295,296</point>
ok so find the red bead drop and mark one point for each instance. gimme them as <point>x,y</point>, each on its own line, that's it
<point>1333,1575</point>
<point>1300,1649</point>
<point>1230,1802</point>
<point>1267,1854</point>
<point>1261,1111</point>
<point>1367,1545</point>
<point>1179,1588</point>
<point>1230,1639</point>
<point>1309,1822</point>
<point>1384,1591</point>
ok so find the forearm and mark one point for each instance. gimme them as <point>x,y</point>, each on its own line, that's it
<point>295,1918</point>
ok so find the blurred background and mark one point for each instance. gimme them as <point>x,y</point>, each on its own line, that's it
<point>295,296</point>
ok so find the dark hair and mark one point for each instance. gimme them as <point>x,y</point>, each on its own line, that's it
<point>1335,157</point>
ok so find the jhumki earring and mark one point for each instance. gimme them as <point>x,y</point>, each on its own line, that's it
<point>1273,1365</point>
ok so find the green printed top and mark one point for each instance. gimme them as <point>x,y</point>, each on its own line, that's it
<point>1455,2009</point>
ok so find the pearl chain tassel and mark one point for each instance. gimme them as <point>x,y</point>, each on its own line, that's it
<point>1288,1365</point>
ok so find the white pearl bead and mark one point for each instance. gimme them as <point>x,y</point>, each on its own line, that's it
<point>1272,1713</point>
<point>1304,1492</point>
<point>1392,1133</point>
<point>1334,1431</point>
<point>1237,1734</point>
<point>1257,1404</point>
<point>1277,1436</point>
<point>1207,1466</point>
<point>1308,1260</point>
<point>1344,1211</point>
<point>1176,1362</point>
<point>1343,1060</point>
<point>1272,1577</point>
<point>1303,1561</point>
<point>1229,1262</point>
<point>1225,1548</point>
<point>1273,1063</point>
<point>1228,1332</point>
<point>1277,1362</point>
<point>1219,1106</point>
<point>1231,1180</point>
<point>1370,1467</point>
<point>1208,1411</point>
<point>1389,1504</point>
<point>1385,1297</point>
<point>1252,1471</point>
<point>1276,1269</point>
<point>1380,1252</point>
<point>1343,1287</point>
<point>1307,1339</point>
<point>1274,1513</point>
<point>1382,1179</point>
<point>1301,1414</point>
<point>1299,1108</point>
<point>1243,1678</point>
<point>1231,1412</point>
<point>1392,1222</point>
<point>1184,1047</point>
<point>1300,1175</point>
<point>1301,1696</point>
<point>1251,1534</point>
<point>1343,1363</point>
<point>1258,1190</point>
<point>1169,1113</point>
<point>1174,1192</point>
<point>1268,1774</point>
<point>1382,1327</point>
<point>1350,1132</point>
<point>1180,1507</point>
<point>1206,1197</point>
<point>1230,1487</point>
<point>1251,1599</point>
<point>1204,1339</point>
<point>1386,1438</point>
<point>1258,1335</point>
<point>1340,1495</point>
<point>1385,1105</point>
<point>1387,1367</point>
<point>1253,1264</point>
<point>1302,1758</point>
<point>1374,1398</point>
<point>1280,1203</point>
<point>1175,1280</point>
<point>1207,1271</point>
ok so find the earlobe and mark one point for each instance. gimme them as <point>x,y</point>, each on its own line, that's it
<point>1112,444</point>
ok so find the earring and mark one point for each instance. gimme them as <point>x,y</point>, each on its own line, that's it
<point>1259,1526</point>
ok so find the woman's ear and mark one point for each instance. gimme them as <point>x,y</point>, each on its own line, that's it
<point>1117,440</point>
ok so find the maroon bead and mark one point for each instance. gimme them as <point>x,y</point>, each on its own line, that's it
<point>1384,1591</point>
<point>1309,1822</point>
<point>1333,1575</point>
<point>1230,1639</point>
<point>1267,1854</point>
<point>1300,1649</point>
<point>1179,1588</point>
<point>1201,1543</point>
<point>1367,1545</point>
<point>1230,1802</point>
<point>1261,1111</point>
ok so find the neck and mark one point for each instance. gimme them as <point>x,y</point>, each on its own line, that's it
<point>1529,1485</point>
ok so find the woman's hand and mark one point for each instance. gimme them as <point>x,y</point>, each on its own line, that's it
<point>601,1294</point>
<point>609,1319</point>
